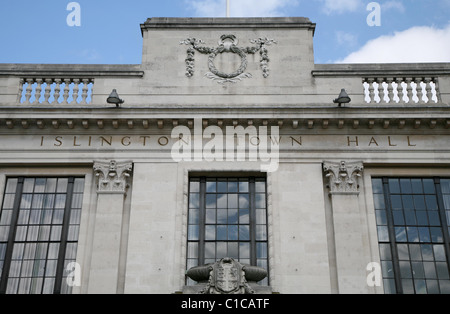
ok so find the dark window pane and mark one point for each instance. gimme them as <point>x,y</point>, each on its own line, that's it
<point>379,201</point>
<point>417,187</point>
<point>381,217</point>
<point>396,202</point>
<point>394,186</point>
<point>405,185</point>
<point>422,218</point>
<point>398,217</point>
<point>428,186</point>
<point>377,186</point>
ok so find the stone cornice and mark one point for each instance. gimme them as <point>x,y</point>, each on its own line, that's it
<point>71,70</point>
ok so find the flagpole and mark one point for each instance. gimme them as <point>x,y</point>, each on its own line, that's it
<point>228,8</point>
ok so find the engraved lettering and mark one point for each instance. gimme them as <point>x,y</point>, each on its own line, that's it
<point>355,141</point>
<point>390,143</point>
<point>104,140</point>
<point>373,141</point>
<point>126,141</point>
<point>58,141</point>
<point>163,141</point>
<point>409,143</point>
<point>299,141</point>
<point>144,140</point>
<point>75,144</point>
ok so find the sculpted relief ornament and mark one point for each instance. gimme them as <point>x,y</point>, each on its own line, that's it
<point>112,176</point>
<point>343,177</point>
<point>228,276</point>
<point>227,44</point>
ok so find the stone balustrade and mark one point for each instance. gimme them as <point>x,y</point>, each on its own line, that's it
<point>55,91</point>
<point>421,90</point>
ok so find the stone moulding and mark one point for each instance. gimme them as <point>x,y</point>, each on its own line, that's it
<point>227,44</point>
<point>112,176</point>
<point>343,177</point>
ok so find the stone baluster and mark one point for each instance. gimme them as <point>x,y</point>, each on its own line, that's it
<point>429,89</point>
<point>418,81</point>
<point>409,89</point>
<point>85,91</point>
<point>76,90</point>
<point>66,90</point>
<point>400,94</point>
<point>370,82</point>
<point>437,89</point>
<point>390,89</point>
<point>38,92</point>
<point>19,95</point>
<point>48,90</point>
<point>381,90</point>
<point>29,90</point>
<point>57,90</point>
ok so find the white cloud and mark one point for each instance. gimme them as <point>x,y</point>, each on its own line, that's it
<point>416,45</point>
<point>393,4</point>
<point>341,6</point>
<point>242,8</point>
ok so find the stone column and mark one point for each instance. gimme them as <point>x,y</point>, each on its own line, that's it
<point>342,180</point>
<point>112,183</point>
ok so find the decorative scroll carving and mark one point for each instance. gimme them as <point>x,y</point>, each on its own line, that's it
<point>343,177</point>
<point>112,176</point>
<point>228,43</point>
<point>227,276</point>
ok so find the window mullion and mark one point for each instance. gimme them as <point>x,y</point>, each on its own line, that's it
<point>443,217</point>
<point>12,234</point>
<point>64,236</point>
<point>252,205</point>
<point>391,230</point>
<point>202,222</point>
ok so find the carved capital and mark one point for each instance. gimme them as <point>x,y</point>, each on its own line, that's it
<point>343,177</point>
<point>112,176</point>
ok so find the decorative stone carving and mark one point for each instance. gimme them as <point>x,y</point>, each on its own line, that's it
<point>228,43</point>
<point>227,276</point>
<point>112,176</point>
<point>343,177</point>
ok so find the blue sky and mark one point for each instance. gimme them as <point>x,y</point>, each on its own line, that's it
<point>36,31</point>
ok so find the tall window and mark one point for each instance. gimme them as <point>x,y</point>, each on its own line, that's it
<point>227,218</point>
<point>39,225</point>
<point>413,218</point>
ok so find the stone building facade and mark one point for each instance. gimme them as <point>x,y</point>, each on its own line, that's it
<point>229,144</point>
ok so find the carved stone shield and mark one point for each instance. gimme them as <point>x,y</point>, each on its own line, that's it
<point>228,276</point>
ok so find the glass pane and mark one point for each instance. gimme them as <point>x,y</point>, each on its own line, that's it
<point>233,217</point>
<point>243,187</point>
<point>394,186</point>
<point>210,200</point>
<point>193,233</point>
<point>260,187</point>
<point>211,187</point>
<point>383,234</point>
<point>418,271</point>
<point>194,200</point>
<point>210,216</point>
<point>194,187</point>
<point>244,216</point>
<point>417,187</point>
<point>222,233</point>
<point>381,217</point>
<point>408,203</point>
<point>232,201</point>
<point>210,233</point>
<point>194,216</point>
<point>11,186</point>
<point>233,250</point>
<point>50,186</point>
<point>222,201</point>
<point>261,233</point>
<point>244,250</point>
<point>243,201</point>
<point>244,233</point>
<point>62,185</point>
<point>405,185</point>
<point>232,186</point>
<point>379,201</point>
<point>377,186</point>
<point>192,250</point>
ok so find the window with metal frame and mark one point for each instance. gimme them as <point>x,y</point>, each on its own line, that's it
<point>227,218</point>
<point>413,219</point>
<point>39,227</point>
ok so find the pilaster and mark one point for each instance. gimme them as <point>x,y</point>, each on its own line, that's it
<point>342,179</point>
<point>112,183</point>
